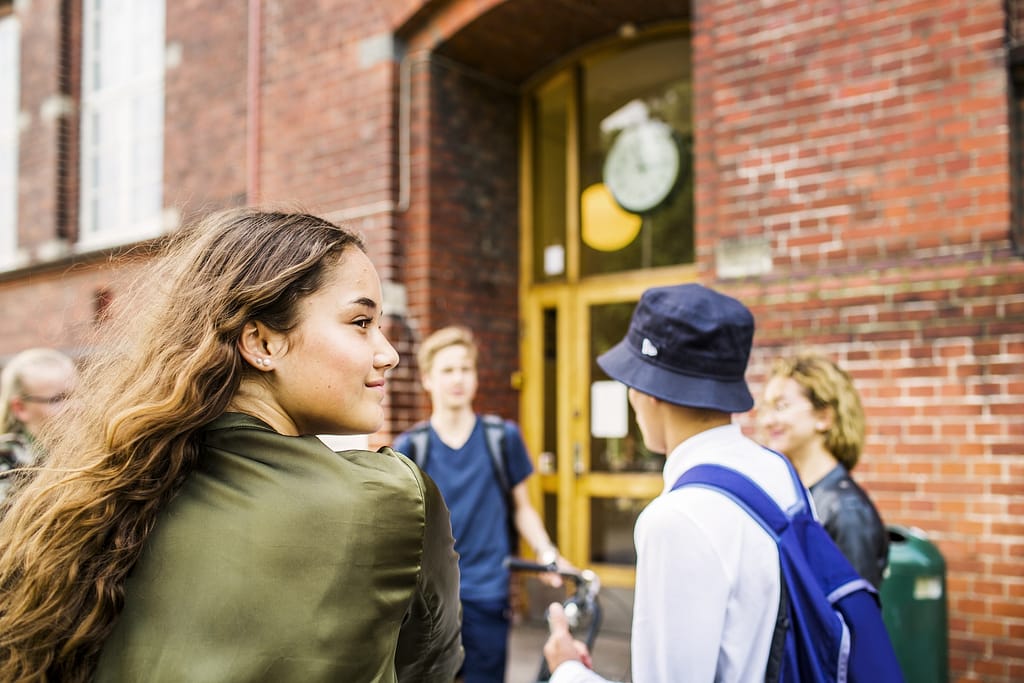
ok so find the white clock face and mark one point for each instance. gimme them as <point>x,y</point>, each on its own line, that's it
<point>642,166</point>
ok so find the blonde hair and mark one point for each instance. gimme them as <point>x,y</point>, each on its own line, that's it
<point>77,525</point>
<point>12,379</point>
<point>453,335</point>
<point>826,385</point>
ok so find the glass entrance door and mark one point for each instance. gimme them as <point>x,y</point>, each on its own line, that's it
<point>607,212</point>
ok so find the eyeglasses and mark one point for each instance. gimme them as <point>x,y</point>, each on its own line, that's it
<point>57,398</point>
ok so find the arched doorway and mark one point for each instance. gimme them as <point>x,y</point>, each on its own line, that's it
<point>591,91</point>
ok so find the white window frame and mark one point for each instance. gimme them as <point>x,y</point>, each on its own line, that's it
<point>10,88</point>
<point>122,124</point>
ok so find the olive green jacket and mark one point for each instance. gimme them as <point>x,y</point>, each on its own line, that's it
<point>283,561</point>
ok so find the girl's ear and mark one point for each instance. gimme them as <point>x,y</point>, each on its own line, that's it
<point>259,345</point>
<point>825,418</point>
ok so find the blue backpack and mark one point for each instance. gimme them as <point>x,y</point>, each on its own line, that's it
<point>830,624</point>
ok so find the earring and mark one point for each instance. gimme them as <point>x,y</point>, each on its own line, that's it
<point>820,426</point>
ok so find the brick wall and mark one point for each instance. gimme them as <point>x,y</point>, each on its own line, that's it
<point>461,258</point>
<point>54,301</point>
<point>329,142</point>
<point>474,259</point>
<point>41,108</point>
<point>864,146</point>
<point>57,306</point>
<point>205,108</point>
<point>328,109</point>
<point>942,387</point>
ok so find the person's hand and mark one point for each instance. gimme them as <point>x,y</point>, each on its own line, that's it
<point>561,646</point>
<point>554,579</point>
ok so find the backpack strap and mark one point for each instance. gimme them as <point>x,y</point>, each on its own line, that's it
<point>744,491</point>
<point>740,489</point>
<point>494,430</point>
<point>419,440</point>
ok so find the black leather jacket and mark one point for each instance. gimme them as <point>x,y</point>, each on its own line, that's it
<point>854,524</point>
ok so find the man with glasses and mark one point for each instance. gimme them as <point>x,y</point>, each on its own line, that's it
<point>33,387</point>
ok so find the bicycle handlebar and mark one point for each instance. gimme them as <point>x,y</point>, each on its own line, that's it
<point>583,609</point>
<point>519,564</point>
<point>587,583</point>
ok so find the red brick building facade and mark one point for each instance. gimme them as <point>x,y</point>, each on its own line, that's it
<point>856,175</point>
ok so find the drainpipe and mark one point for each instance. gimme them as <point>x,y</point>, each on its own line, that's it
<point>253,122</point>
<point>405,124</point>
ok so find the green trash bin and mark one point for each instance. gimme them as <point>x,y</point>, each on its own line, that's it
<point>914,605</point>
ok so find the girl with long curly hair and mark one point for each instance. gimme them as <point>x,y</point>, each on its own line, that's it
<point>812,414</point>
<point>187,524</point>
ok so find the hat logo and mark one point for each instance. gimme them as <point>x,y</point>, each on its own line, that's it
<point>648,349</point>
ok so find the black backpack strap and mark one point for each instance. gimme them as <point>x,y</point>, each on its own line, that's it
<point>494,430</point>
<point>419,440</point>
<point>777,652</point>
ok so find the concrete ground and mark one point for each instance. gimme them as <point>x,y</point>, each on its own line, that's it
<point>610,653</point>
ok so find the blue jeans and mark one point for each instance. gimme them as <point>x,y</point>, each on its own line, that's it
<point>485,626</point>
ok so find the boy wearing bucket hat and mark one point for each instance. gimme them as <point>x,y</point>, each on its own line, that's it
<point>707,574</point>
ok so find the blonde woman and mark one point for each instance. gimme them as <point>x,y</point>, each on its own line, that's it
<point>812,414</point>
<point>187,525</point>
<point>33,387</point>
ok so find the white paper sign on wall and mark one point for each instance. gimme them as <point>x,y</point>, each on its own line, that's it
<point>609,410</point>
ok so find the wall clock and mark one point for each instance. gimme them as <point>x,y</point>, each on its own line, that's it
<point>643,166</point>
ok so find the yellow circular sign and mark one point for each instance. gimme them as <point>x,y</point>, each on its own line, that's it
<point>606,225</point>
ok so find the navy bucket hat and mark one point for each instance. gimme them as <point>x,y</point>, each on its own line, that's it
<point>687,345</point>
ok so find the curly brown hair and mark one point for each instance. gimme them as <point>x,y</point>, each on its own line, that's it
<point>77,524</point>
<point>826,385</point>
